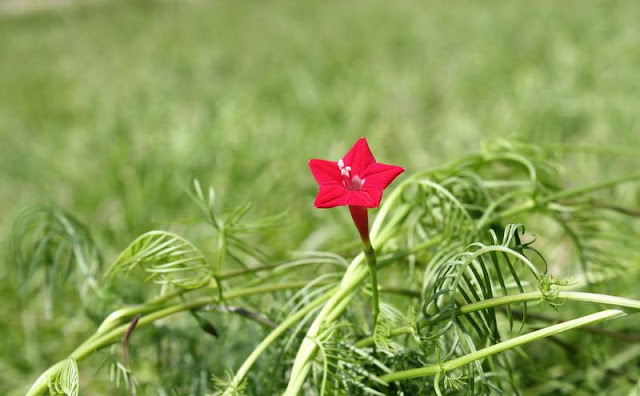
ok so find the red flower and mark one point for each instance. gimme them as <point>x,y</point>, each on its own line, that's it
<point>355,180</point>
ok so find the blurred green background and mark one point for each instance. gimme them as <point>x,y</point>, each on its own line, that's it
<point>108,109</point>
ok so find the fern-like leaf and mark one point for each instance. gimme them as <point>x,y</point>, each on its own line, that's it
<point>51,245</point>
<point>481,272</point>
<point>66,382</point>
<point>168,259</point>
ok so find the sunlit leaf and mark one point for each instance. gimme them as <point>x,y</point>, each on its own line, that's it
<point>66,382</point>
<point>167,258</point>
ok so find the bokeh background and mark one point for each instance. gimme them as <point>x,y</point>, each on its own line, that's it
<point>108,109</point>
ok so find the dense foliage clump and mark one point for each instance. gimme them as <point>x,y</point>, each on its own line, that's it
<point>460,281</point>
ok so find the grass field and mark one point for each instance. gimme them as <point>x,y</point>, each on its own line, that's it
<point>109,110</point>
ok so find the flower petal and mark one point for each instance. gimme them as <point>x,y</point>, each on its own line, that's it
<point>359,157</point>
<point>330,196</point>
<point>365,198</point>
<point>378,176</point>
<point>325,172</point>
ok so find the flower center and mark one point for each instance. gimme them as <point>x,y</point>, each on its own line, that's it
<point>350,183</point>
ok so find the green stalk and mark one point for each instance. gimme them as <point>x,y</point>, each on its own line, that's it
<point>434,369</point>
<point>116,317</point>
<point>370,255</point>
<point>561,295</point>
<point>513,299</point>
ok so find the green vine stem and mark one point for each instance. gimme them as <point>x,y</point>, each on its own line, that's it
<point>370,255</point>
<point>434,369</point>
<point>514,299</point>
<point>116,317</point>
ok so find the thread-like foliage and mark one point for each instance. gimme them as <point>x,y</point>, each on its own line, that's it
<point>167,258</point>
<point>49,246</point>
<point>479,273</point>
<point>66,382</point>
<point>232,228</point>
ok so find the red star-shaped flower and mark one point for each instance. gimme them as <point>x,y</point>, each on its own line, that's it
<point>355,180</point>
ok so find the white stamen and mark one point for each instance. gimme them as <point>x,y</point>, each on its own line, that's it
<point>344,170</point>
<point>349,183</point>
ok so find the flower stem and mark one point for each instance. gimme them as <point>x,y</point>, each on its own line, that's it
<point>360,218</point>
<point>370,255</point>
